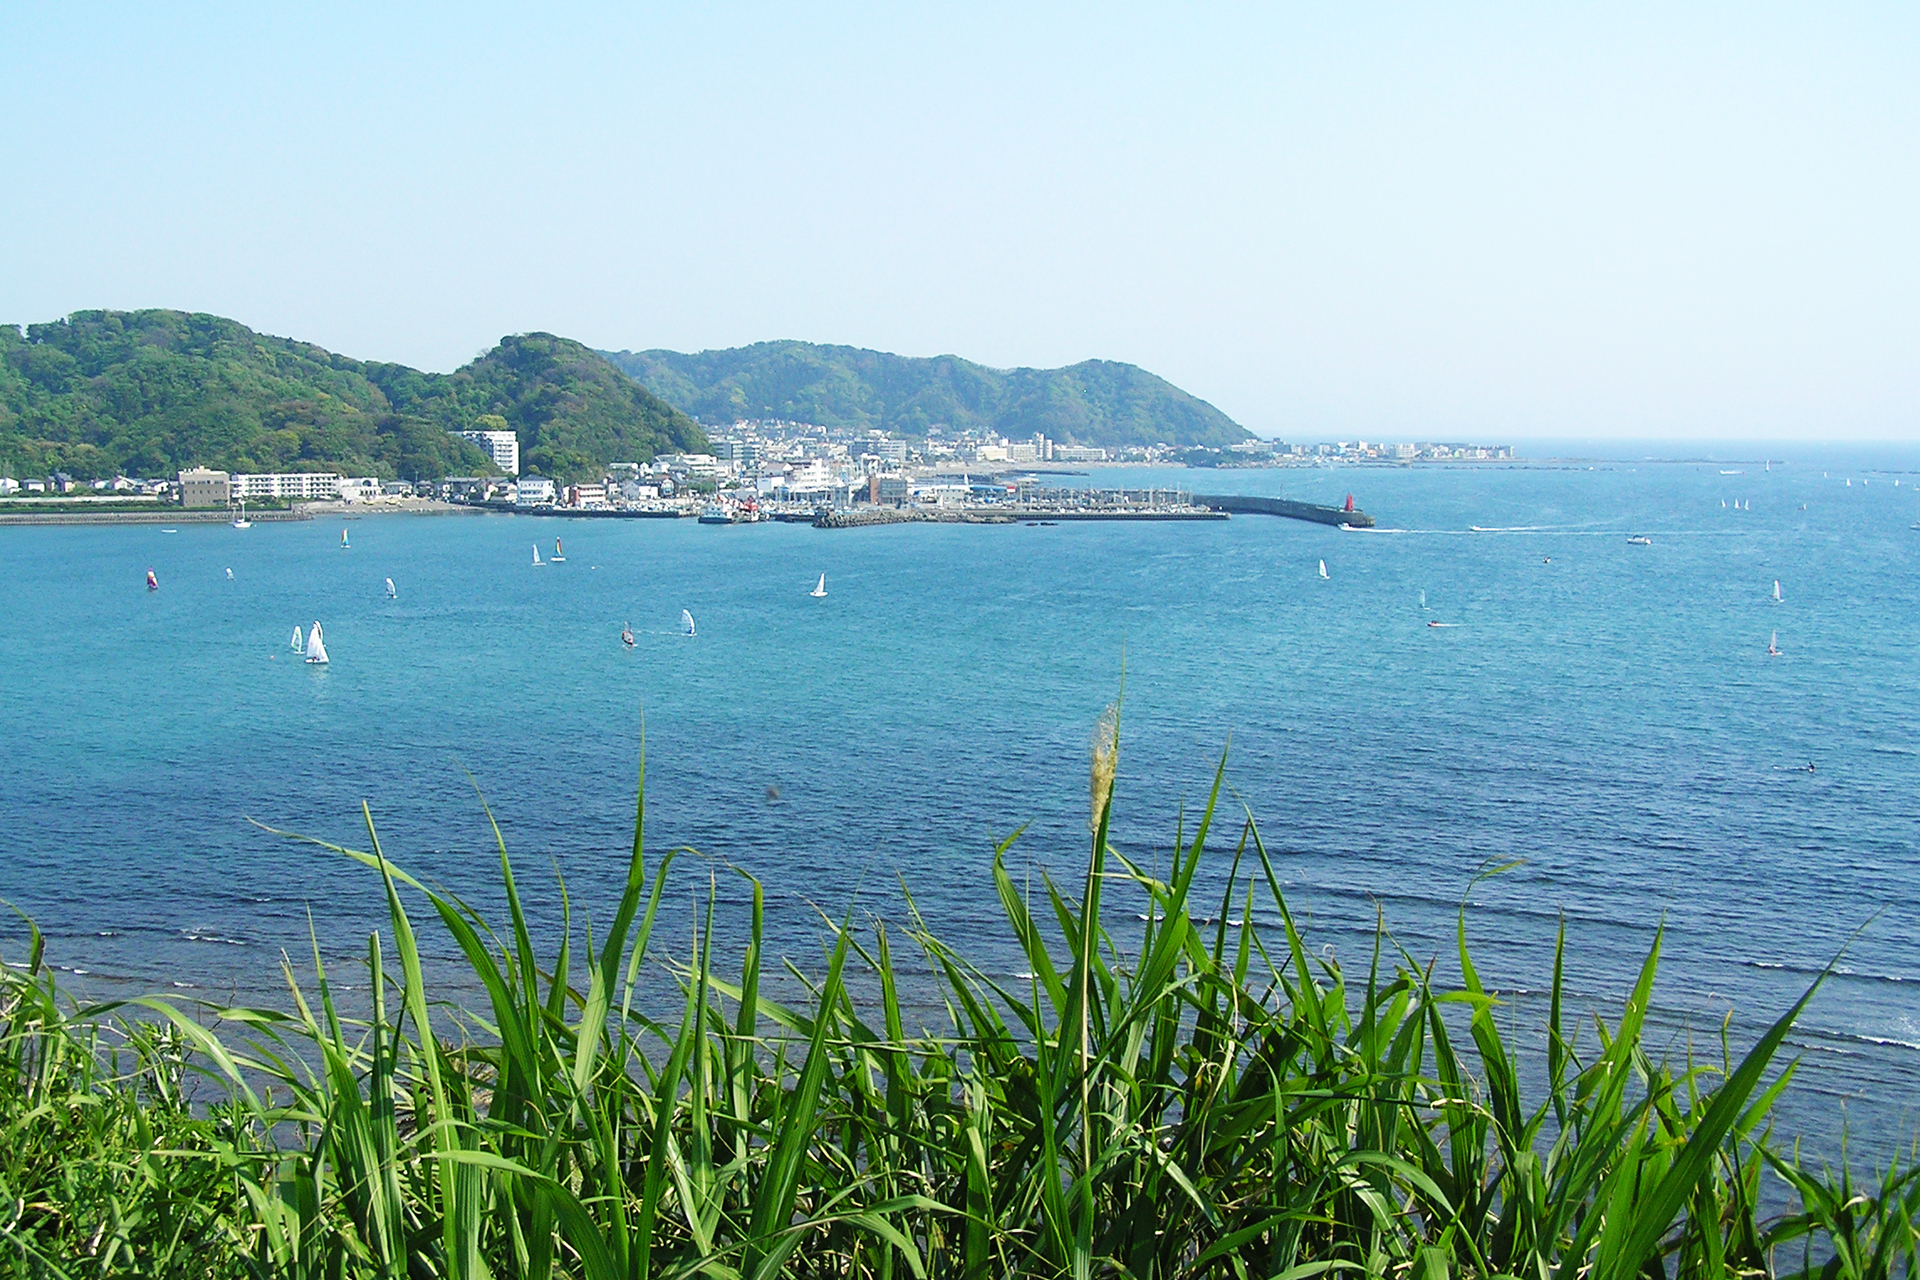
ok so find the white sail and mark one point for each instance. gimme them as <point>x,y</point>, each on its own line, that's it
<point>821,589</point>
<point>298,642</point>
<point>1773,643</point>
<point>316,649</point>
<point>1776,588</point>
<point>686,622</point>
<point>391,593</point>
<point>536,553</point>
<point>1423,599</point>
<point>1323,568</point>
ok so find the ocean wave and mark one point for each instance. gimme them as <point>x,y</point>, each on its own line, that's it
<point>196,935</point>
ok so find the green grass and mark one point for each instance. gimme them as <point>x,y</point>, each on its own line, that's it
<point>1178,1100</point>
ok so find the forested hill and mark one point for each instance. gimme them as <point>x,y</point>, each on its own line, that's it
<point>1099,402</point>
<point>150,392</point>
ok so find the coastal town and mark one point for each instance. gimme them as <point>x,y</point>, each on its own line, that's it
<point>756,470</point>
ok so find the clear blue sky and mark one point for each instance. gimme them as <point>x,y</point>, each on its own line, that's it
<point>1448,221</point>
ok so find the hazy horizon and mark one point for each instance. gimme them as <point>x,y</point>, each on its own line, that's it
<point>1493,224</point>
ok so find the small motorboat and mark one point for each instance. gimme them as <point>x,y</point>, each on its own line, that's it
<point>626,634</point>
<point>1639,540</point>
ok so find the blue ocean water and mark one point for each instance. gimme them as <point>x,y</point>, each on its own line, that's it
<point>1605,713</point>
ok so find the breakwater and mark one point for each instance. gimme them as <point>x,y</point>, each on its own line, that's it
<point>175,516</point>
<point>862,517</point>
<point>1245,504</point>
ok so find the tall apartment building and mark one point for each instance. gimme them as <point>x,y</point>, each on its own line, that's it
<point>503,447</point>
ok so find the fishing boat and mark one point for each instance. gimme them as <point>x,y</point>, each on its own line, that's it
<point>1776,591</point>
<point>153,583</point>
<point>1773,645</point>
<point>626,634</point>
<point>298,642</point>
<point>344,544</point>
<point>686,623</point>
<point>316,648</point>
<point>558,558</point>
<point>1323,568</point>
<point>536,555</point>
<point>715,515</point>
<point>820,589</point>
<point>1639,540</point>
<point>391,593</point>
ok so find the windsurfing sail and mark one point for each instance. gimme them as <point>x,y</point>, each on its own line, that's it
<point>536,553</point>
<point>153,583</point>
<point>344,544</point>
<point>1776,589</point>
<point>1773,645</point>
<point>686,622</point>
<point>821,589</point>
<point>391,593</point>
<point>1323,568</point>
<point>316,648</point>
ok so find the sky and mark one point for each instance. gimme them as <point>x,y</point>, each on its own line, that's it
<point>1468,221</point>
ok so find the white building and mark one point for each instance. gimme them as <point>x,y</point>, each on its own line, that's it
<point>359,488</point>
<point>305,485</point>
<point>532,491</point>
<point>1078,453</point>
<point>501,446</point>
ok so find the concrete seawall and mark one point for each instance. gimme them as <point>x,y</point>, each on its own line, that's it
<point>1248,505</point>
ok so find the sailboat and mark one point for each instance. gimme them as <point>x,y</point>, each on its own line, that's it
<point>229,575</point>
<point>1773,645</point>
<point>536,555</point>
<point>1423,599</point>
<point>316,649</point>
<point>344,544</point>
<point>240,520</point>
<point>1323,568</point>
<point>557,557</point>
<point>391,593</point>
<point>821,589</point>
<point>153,583</point>
<point>626,634</point>
<point>298,642</point>
<point>686,623</point>
<point>1776,591</point>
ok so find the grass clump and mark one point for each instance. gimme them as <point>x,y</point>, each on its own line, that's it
<point>1188,1100</point>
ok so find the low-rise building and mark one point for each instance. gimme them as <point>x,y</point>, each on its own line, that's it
<point>533,491</point>
<point>586,495</point>
<point>200,487</point>
<point>303,486</point>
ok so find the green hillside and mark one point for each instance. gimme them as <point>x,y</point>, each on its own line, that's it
<point>1098,402</point>
<point>150,392</point>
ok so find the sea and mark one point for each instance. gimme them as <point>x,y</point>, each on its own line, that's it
<point>1594,735</point>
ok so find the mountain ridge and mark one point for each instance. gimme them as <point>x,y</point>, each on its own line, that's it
<point>1104,403</point>
<point>153,391</point>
